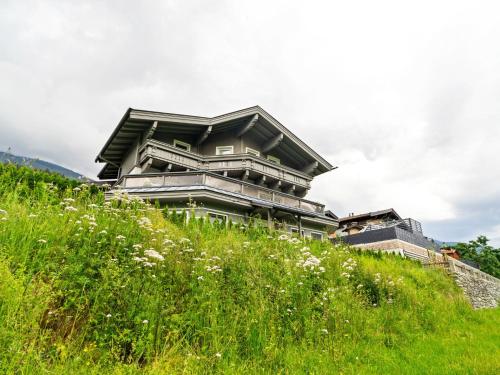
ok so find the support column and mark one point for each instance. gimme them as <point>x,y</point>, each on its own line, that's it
<point>299,220</point>
<point>269,219</point>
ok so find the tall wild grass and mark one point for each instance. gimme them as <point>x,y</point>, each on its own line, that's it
<point>89,286</point>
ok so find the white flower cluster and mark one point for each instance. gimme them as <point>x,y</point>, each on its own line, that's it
<point>309,262</point>
<point>292,240</point>
<point>124,197</point>
<point>214,268</point>
<point>3,215</point>
<point>349,265</point>
<point>154,254</point>
<point>144,222</point>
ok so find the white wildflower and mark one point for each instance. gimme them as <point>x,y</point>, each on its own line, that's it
<point>200,278</point>
<point>32,215</point>
<point>154,254</point>
<point>120,237</point>
<point>218,355</point>
<point>283,237</point>
<point>144,221</point>
<point>325,331</point>
<point>70,208</point>
<point>108,316</point>
<point>41,240</point>
<point>145,321</point>
<point>3,212</point>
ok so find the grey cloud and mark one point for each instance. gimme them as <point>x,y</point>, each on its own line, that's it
<point>403,98</point>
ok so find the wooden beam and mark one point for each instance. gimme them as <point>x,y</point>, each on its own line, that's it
<point>275,185</point>
<point>146,165</point>
<point>310,167</point>
<point>204,135</point>
<point>245,175</point>
<point>248,126</point>
<point>151,130</point>
<point>260,181</point>
<point>270,225</point>
<point>272,143</point>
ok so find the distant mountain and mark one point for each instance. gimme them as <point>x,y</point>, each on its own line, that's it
<point>6,157</point>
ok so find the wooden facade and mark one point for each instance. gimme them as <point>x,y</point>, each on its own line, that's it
<point>236,165</point>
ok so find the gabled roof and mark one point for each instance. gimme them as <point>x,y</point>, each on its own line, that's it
<point>368,215</point>
<point>136,121</point>
<point>330,214</point>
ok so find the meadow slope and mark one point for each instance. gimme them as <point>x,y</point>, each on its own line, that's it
<point>124,287</point>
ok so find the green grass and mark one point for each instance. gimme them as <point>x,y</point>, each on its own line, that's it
<point>79,294</point>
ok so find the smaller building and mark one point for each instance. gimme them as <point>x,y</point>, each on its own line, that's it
<point>354,224</point>
<point>451,252</point>
<point>385,230</point>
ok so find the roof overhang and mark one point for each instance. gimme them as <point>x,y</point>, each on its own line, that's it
<point>134,122</point>
<point>369,215</point>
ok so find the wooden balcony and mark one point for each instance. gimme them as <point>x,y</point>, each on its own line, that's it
<point>165,157</point>
<point>199,178</point>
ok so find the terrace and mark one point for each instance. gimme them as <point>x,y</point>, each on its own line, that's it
<point>162,182</point>
<point>165,157</point>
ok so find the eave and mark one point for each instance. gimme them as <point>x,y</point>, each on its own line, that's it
<point>121,136</point>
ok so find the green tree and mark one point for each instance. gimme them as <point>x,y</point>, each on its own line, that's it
<point>481,252</point>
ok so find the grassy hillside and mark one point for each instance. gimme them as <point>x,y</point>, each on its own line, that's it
<point>88,286</point>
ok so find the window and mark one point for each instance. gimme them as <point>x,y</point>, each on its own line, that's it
<point>214,217</point>
<point>224,150</point>
<point>316,235</point>
<point>251,151</point>
<point>182,145</point>
<point>273,159</point>
<point>295,230</point>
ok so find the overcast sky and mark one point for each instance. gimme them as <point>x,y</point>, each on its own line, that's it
<point>402,96</point>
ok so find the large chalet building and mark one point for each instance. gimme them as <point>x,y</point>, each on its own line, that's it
<point>235,166</point>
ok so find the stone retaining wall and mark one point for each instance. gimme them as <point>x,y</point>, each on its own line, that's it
<point>483,290</point>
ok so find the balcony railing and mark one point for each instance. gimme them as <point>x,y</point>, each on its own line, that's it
<point>216,181</point>
<point>234,162</point>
